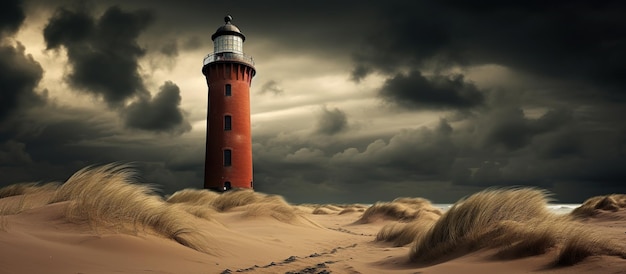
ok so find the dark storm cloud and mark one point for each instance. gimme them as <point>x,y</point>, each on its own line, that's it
<point>504,147</point>
<point>192,43</point>
<point>170,48</point>
<point>52,147</point>
<point>161,113</point>
<point>360,71</point>
<point>331,121</point>
<point>13,153</point>
<point>41,143</point>
<point>103,52</point>
<point>411,155</point>
<point>104,55</point>
<point>49,142</point>
<point>19,73</point>
<point>574,40</point>
<point>19,76</point>
<point>416,91</point>
<point>273,87</point>
<point>11,16</point>
<point>411,34</point>
<point>508,128</point>
<point>496,145</point>
<point>418,153</point>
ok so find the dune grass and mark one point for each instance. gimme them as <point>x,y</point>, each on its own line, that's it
<point>401,234</point>
<point>328,209</point>
<point>351,210</point>
<point>515,222</point>
<point>27,188</point>
<point>467,219</point>
<point>195,201</point>
<point>595,205</point>
<point>241,197</point>
<point>497,215</point>
<point>255,204</point>
<point>204,203</point>
<point>12,208</point>
<point>323,211</point>
<point>23,197</point>
<point>517,239</point>
<point>28,199</point>
<point>582,243</point>
<point>201,197</point>
<point>401,209</point>
<point>338,209</point>
<point>107,198</point>
<point>415,215</point>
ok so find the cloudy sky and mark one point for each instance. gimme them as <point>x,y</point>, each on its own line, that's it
<point>352,102</point>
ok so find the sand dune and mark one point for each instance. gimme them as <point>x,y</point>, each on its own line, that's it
<point>596,205</point>
<point>100,221</point>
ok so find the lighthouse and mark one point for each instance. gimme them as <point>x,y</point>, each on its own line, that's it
<point>228,72</point>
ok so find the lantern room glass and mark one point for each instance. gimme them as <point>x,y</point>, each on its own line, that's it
<point>228,43</point>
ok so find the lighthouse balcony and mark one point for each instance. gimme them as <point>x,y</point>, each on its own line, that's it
<point>228,56</point>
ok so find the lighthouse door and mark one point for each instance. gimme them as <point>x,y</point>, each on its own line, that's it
<point>227,186</point>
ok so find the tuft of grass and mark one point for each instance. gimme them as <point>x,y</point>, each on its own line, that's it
<point>336,208</point>
<point>582,243</point>
<point>595,205</point>
<point>322,211</point>
<point>401,209</point>
<point>515,222</point>
<point>242,197</point>
<point>401,234</point>
<point>463,224</point>
<point>106,197</point>
<point>416,201</point>
<point>26,188</point>
<point>520,239</point>
<point>350,210</point>
<point>197,202</point>
<point>13,208</point>
<point>201,197</point>
<point>204,204</point>
<point>27,198</point>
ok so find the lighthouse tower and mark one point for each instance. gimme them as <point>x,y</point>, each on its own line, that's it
<point>228,73</point>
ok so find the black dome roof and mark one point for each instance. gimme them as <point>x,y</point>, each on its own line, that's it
<point>228,29</point>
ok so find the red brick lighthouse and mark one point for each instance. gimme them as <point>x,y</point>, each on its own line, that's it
<point>228,73</point>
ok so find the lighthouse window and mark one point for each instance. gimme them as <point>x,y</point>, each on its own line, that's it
<point>237,44</point>
<point>228,90</point>
<point>227,122</point>
<point>227,157</point>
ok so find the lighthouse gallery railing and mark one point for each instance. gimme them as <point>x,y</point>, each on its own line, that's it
<point>228,56</point>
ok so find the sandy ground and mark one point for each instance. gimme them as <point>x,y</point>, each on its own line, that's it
<point>101,221</point>
<point>41,240</point>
